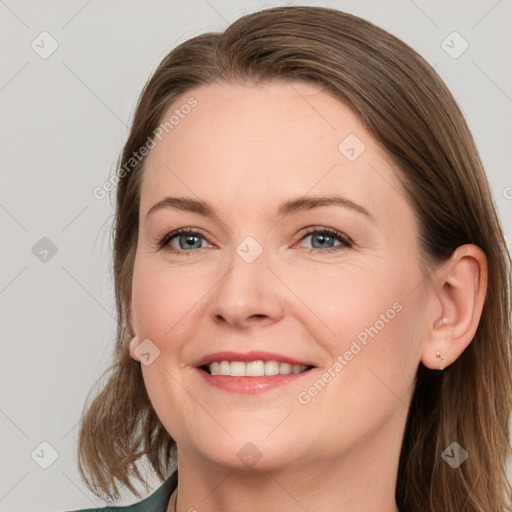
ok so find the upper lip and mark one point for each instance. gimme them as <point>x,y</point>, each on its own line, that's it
<point>253,355</point>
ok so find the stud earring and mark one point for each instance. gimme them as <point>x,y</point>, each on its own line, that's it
<point>441,360</point>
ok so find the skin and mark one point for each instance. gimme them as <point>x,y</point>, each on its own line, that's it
<point>245,150</point>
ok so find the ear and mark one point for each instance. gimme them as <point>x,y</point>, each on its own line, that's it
<point>130,316</point>
<point>459,289</point>
<point>134,341</point>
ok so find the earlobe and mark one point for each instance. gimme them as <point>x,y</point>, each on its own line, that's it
<point>134,341</point>
<point>459,288</point>
<point>133,345</point>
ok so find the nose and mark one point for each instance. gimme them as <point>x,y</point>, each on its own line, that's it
<point>249,294</point>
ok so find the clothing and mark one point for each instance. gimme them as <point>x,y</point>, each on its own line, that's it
<point>155,502</point>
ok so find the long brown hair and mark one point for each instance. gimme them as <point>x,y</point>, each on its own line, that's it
<point>406,106</point>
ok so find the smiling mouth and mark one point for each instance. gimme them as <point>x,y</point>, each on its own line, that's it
<point>258,368</point>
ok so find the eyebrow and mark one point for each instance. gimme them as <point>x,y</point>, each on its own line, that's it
<point>300,204</point>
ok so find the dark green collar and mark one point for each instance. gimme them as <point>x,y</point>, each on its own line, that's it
<point>155,502</point>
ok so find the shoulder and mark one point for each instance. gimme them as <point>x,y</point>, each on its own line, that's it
<point>155,502</point>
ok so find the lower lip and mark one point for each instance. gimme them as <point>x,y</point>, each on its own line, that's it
<point>250,385</point>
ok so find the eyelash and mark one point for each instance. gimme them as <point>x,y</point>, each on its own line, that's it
<point>346,242</point>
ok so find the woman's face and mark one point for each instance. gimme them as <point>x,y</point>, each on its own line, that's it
<point>274,273</point>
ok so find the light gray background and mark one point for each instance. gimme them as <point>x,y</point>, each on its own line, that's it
<point>63,122</point>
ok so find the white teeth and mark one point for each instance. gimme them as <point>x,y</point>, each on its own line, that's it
<point>271,368</point>
<point>253,368</point>
<point>237,369</point>
<point>224,368</point>
<point>285,368</point>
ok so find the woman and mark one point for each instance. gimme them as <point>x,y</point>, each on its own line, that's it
<point>311,279</point>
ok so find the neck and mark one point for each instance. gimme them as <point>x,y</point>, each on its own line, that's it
<point>357,481</point>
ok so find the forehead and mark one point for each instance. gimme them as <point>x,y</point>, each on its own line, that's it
<point>264,141</point>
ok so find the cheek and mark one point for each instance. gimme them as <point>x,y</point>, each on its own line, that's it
<point>340,302</point>
<point>368,316</point>
<point>161,300</point>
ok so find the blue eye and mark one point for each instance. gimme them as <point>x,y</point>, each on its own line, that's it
<point>323,238</point>
<point>185,238</point>
<point>183,241</point>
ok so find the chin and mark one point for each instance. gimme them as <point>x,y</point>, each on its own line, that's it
<point>250,452</point>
